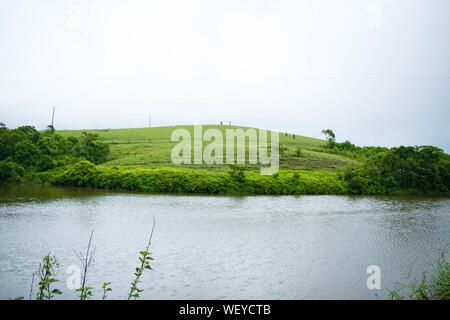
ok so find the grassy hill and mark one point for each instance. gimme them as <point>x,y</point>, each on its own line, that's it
<point>140,160</point>
<point>151,147</point>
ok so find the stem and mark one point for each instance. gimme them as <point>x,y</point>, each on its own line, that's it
<point>141,268</point>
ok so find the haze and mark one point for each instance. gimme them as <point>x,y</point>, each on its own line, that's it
<point>376,72</point>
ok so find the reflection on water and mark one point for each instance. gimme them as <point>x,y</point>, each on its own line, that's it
<point>11,193</point>
<point>212,247</point>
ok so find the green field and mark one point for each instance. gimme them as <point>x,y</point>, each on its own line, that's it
<point>151,147</point>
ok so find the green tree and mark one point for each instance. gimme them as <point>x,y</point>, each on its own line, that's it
<point>91,148</point>
<point>50,128</point>
<point>329,136</point>
<point>26,153</point>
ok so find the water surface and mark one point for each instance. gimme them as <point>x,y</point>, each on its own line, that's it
<point>212,247</point>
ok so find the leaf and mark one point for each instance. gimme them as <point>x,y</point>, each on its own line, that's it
<point>56,291</point>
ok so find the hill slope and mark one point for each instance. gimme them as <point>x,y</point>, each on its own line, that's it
<point>152,147</point>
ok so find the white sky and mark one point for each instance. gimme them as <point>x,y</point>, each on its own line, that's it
<point>297,66</point>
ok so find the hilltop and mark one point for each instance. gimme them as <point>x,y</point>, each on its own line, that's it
<point>152,147</point>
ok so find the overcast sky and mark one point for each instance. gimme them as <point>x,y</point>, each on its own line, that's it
<point>376,72</point>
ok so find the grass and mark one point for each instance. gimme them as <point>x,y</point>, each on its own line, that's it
<point>140,160</point>
<point>151,147</point>
<point>435,285</point>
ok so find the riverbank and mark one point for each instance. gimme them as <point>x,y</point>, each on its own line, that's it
<point>235,181</point>
<point>185,181</point>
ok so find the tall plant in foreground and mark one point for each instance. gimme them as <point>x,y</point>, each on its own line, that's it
<point>144,264</point>
<point>106,289</point>
<point>46,274</point>
<point>85,291</point>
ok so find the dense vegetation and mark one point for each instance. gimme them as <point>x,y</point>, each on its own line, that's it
<point>24,152</point>
<point>424,169</point>
<point>139,160</point>
<point>419,169</point>
<point>183,180</point>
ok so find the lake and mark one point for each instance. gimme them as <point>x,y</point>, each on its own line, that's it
<point>221,247</point>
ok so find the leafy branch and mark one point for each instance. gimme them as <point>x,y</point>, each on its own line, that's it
<point>145,264</point>
<point>106,289</point>
<point>47,273</point>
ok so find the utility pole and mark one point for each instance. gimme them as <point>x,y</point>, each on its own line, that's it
<point>53,115</point>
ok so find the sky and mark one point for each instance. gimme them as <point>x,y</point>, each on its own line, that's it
<point>376,72</point>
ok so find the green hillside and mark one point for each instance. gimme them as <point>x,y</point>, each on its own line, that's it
<point>140,160</point>
<point>152,147</point>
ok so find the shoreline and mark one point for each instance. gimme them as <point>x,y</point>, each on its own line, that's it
<point>183,181</point>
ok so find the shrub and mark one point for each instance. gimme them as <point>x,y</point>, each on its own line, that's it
<point>91,148</point>
<point>10,171</point>
<point>25,147</point>
<point>81,174</point>
<point>237,172</point>
<point>422,169</point>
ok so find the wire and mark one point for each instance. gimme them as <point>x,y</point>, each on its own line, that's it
<point>25,105</point>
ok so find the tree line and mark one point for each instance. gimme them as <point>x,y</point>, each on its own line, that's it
<point>404,169</point>
<point>25,151</point>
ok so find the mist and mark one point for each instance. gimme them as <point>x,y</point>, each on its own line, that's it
<point>376,72</point>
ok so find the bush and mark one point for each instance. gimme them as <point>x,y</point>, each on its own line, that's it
<point>81,174</point>
<point>182,180</point>
<point>10,171</point>
<point>422,169</point>
<point>25,151</point>
<point>91,148</point>
<point>237,172</point>
<point>359,181</point>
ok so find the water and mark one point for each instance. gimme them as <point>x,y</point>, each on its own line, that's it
<point>211,247</point>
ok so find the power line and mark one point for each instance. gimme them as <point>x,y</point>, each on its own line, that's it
<point>24,105</point>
